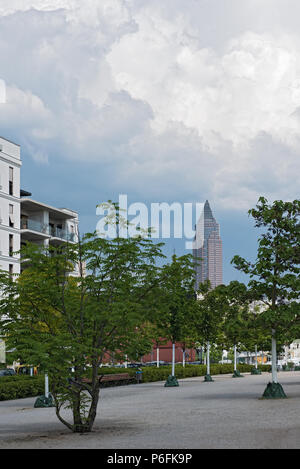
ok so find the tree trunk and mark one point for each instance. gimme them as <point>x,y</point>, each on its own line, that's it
<point>235,358</point>
<point>46,386</point>
<point>173,359</point>
<point>274,357</point>
<point>256,356</point>
<point>208,359</point>
<point>93,408</point>
<point>77,422</point>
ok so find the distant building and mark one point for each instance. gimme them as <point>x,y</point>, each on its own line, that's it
<point>207,249</point>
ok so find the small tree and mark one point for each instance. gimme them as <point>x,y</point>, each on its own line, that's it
<point>68,325</point>
<point>177,303</point>
<point>208,318</point>
<point>236,302</point>
<point>275,273</point>
<point>254,335</point>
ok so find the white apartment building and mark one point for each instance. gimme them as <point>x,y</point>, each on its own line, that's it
<point>10,206</point>
<point>23,219</point>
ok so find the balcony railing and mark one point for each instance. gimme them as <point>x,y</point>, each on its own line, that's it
<point>29,224</point>
<point>34,225</point>
<point>62,234</point>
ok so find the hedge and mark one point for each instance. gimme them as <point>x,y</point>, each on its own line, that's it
<point>18,387</point>
<point>152,373</point>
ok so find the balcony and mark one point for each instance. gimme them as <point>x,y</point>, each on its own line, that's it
<point>33,230</point>
<point>60,234</point>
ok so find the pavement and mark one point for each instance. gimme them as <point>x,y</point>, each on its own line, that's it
<point>227,413</point>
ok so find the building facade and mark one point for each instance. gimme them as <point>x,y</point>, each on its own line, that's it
<point>23,219</point>
<point>207,249</point>
<point>10,206</point>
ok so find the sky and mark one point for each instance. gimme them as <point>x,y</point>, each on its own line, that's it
<point>173,101</point>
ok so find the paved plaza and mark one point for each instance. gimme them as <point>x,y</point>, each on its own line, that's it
<point>227,413</point>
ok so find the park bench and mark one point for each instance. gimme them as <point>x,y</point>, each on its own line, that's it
<point>116,379</point>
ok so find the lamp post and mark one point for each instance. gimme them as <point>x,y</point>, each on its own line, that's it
<point>236,373</point>
<point>255,370</point>
<point>46,400</point>
<point>207,377</point>
<point>171,380</point>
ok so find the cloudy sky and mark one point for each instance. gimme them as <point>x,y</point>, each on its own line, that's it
<point>173,100</point>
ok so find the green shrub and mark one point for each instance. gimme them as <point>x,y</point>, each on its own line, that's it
<point>151,374</point>
<point>19,387</point>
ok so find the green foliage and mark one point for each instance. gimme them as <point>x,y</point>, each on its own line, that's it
<point>215,354</point>
<point>65,324</point>
<point>151,374</point>
<point>19,387</point>
<point>275,281</point>
<point>208,313</point>
<point>274,276</point>
<point>177,299</point>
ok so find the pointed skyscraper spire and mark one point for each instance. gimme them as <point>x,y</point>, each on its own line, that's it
<point>207,249</point>
<point>207,210</point>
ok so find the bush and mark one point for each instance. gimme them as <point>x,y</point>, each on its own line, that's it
<point>151,374</point>
<point>19,387</point>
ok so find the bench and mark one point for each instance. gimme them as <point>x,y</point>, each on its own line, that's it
<point>113,379</point>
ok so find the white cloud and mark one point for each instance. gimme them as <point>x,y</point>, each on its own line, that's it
<point>180,106</point>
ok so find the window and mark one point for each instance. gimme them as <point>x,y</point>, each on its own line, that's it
<point>24,222</point>
<point>11,245</point>
<point>11,181</point>
<point>11,215</point>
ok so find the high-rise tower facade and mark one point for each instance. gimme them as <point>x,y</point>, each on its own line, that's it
<point>207,249</point>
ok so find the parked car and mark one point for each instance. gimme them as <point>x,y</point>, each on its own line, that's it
<point>7,372</point>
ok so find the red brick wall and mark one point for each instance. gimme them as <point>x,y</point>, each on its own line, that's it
<point>165,353</point>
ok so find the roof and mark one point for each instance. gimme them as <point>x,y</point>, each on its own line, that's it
<point>34,206</point>
<point>24,193</point>
<point>207,210</point>
<point>10,141</point>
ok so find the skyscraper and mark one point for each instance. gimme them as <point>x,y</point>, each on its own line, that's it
<point>207,247</point>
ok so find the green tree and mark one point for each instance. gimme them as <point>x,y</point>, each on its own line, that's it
<point>208,316</point>
<point>177,303</point>
<point>274,276</point>
<point>68,325</point>
<point>236,299</point>
<point>254,335</point>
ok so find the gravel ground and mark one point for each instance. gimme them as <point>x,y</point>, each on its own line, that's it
<point>227,413</point>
